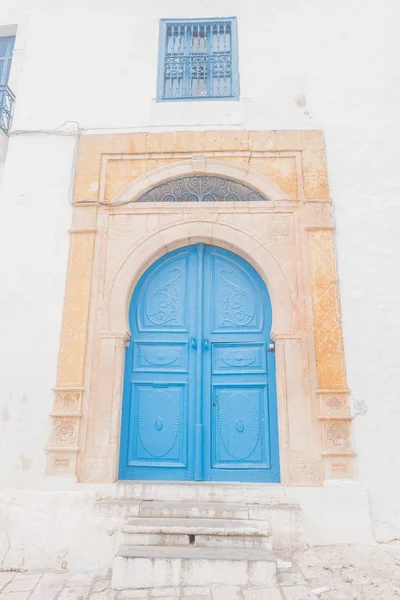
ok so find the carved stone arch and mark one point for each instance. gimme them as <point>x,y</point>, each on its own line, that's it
<point>199,166</point>
<point>183,234</point>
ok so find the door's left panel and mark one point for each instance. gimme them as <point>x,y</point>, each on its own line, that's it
<point>159,425</point>
<point>158,404</point>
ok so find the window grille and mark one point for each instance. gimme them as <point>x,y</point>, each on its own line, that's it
<point>201,188</point>
<point>198,60</point>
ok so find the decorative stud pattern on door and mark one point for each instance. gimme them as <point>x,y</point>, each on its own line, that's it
<point>199,396</point>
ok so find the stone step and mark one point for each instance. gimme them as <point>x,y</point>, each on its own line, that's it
<point>152,566</point>
<point>256,493</point>
<point>221,533</point>
<point>210,510</point>
<point>286,520</point>
<point>224,527</point>
<point>201,510</point>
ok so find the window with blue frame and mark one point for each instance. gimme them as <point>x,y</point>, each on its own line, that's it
<point>198,59</point>
<point>6,52</point>
<point>6,96</point>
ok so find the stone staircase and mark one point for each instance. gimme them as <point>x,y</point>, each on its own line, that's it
<point>176,535</point>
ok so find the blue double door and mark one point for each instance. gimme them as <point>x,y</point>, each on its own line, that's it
<point>199,389</point>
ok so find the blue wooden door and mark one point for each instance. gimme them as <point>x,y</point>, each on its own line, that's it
<point>199,390</point>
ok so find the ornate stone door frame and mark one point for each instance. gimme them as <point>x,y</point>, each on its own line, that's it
<point>288,239</point>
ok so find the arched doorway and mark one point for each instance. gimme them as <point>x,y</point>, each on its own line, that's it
<point>199,389</point>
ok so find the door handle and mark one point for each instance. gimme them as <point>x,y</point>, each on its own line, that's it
<point>206,343</point>
<point>193,342</point>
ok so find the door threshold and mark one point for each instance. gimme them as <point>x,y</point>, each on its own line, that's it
<point>130,482</point>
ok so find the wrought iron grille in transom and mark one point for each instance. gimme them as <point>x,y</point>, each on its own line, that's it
<point>198,59</point>
<point>201,188</point>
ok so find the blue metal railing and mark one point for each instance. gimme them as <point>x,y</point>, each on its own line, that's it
<point>6,105</point>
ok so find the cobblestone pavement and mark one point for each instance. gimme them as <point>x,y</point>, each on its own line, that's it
<point>324,573</point>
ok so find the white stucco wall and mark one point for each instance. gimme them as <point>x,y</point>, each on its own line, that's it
<point>303,64</point>
<point>33,249</point>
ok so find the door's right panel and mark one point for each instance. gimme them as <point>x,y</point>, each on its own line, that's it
<point>239,427</point>
<point>240,420</point>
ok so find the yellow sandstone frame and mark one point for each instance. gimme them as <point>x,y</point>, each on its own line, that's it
<point>289,239</point>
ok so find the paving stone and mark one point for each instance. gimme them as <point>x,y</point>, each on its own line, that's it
<point>132,594</point>
<point>101,585</point>
<point>49,586</point>
<point>282,565</point>
<point>196,591</point>
<point>5,578</point>
<point>165,592</point>
<point>46,592</point>
<point>104,595</point>
<point>15,595</point>
<point>76,591</point>
<point>337,589</point>
<point>23,582</point>
<point>321,590</point>
<point>262,594</point>
<point>298,592</point>
<point>54,578</point>
<point>82,578</point>
<point>261,573</point>
<point>226,592</point>
<point>337,594</point>
<point>326,579</point>
<point>291,578</point>
<point>171,597</point>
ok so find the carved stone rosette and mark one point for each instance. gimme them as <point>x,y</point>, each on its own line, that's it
<point>64,443</point>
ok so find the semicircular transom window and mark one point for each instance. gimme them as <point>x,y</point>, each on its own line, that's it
<point>202,188</point>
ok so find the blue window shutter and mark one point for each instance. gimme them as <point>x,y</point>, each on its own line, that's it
<point>235,58</point>
<point>6,52</point>
<point>198,59</point>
